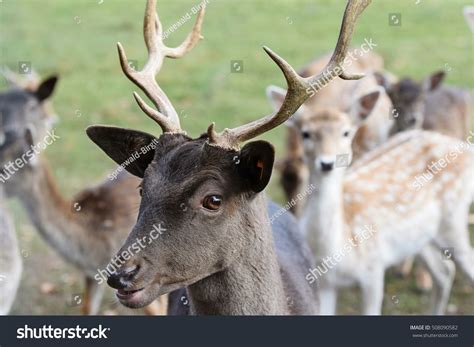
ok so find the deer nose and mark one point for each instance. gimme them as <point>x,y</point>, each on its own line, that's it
<point>123,278</point>
<point>327,166</point>
<point>325,163</point>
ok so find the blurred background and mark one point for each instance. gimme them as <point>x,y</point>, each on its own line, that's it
<point>222,80</point>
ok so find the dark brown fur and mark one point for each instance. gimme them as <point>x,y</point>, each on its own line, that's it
<point>226,259</point>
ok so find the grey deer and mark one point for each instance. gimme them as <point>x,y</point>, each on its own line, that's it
<point>429,105</point>
<point>86,236</point>
<point>208,193</point>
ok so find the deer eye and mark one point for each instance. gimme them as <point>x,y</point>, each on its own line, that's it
<point>305,134</point>
<point>212,202</point>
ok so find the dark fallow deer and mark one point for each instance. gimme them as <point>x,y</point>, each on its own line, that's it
<point>86,230</point>
<point>429,105</point>
<point>208,193</point>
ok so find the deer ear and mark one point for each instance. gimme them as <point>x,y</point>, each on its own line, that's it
<point>386,80</point>
<point>256,164</point>
<point>132,149</point>
<point>276,96</point>
<point>381,79</point>
<point>46,88</point>
<point>364,106</point>
<point>434,81</point>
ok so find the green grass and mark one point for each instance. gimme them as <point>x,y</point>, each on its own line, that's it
<point>76,39</point>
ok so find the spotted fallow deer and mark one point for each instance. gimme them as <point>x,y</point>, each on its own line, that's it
<point>428,105</point>
<point>338,93</point>
<point>10,260</point>
<point>358,97</point>
<point>207,192</point>
<point>86,230</point>
<point>390,205</point>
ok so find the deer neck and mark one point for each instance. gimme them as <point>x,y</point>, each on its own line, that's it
<point>51,214</point>
<point>323,218</point>
<point>252,284</point>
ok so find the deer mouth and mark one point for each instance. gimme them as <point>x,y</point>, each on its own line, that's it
<point>138,298</point>
<point>126,295</point>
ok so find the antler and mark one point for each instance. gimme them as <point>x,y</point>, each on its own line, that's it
<point>299,88</point>
<point>166,115</point>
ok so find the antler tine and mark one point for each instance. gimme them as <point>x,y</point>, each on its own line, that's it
<point>351,13</point>
<point>299,88</point>
<point>166,115</point>
<point>192,39</point>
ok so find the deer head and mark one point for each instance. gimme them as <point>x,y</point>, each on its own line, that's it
<point>408,98</point>
<point>327,133</point>
<point>24,121</point>
<point>203,191</point>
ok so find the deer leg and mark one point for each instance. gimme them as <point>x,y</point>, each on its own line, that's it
<point>327,301</point>
<point>471,218</point>
<point>424,282</point>
<point>158,307</point>
<point>442,272</point>
<point>404,269</point>
<point>465,260</point>
<point>92,297</point>
<point>372,293</point>
<point>463,253</point>
<point>456,236</point>
<point>85,309</point>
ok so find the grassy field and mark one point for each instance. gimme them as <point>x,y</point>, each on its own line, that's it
<point>76,39</point>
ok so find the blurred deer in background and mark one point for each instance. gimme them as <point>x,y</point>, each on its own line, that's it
<point>468,12</point>
<point>429,105</point>
<point>356,97</point>
<point>86,230</point>
<point>10,260</point>
<point>338,93</point>
<point>222,246</point>
<point>378,214</point>
<point>377,111</point>
<point>30,82</point>
<point>432,106</point>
